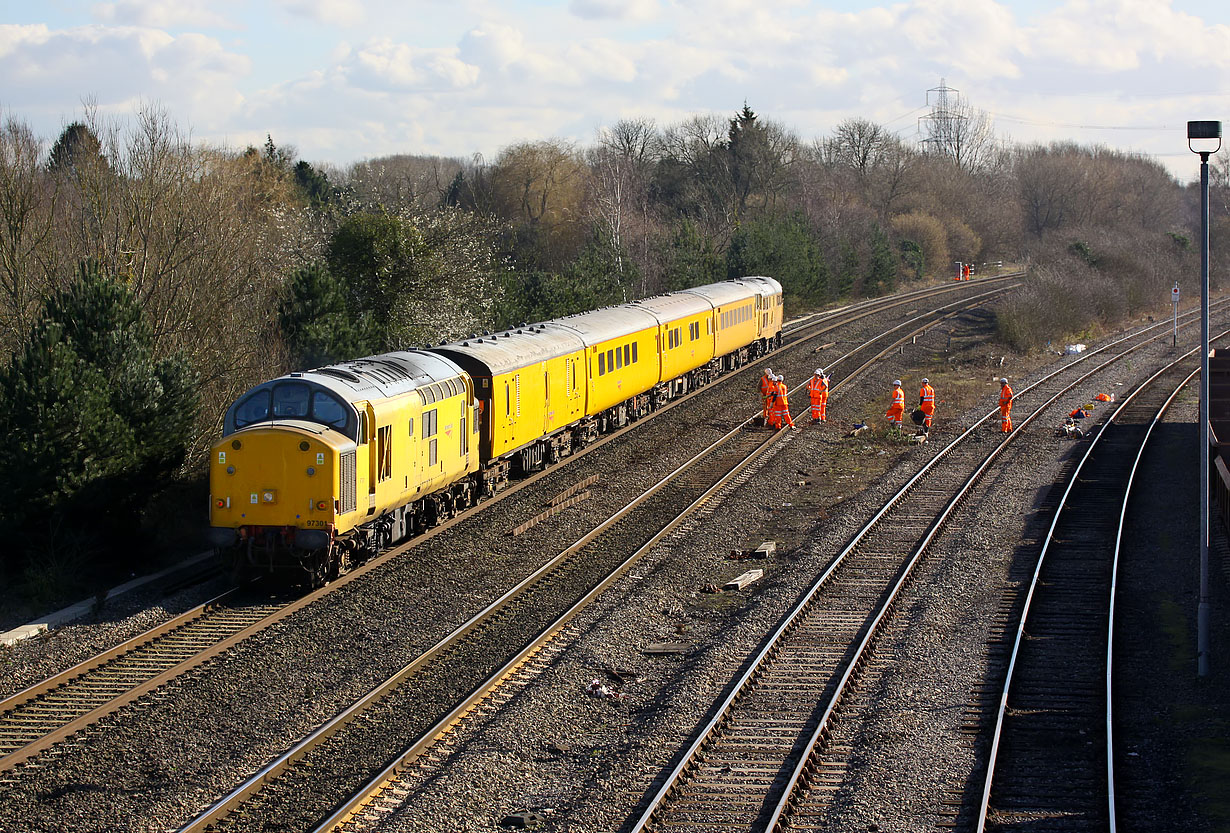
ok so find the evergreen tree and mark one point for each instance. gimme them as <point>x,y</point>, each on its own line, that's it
<point>96,423</point>
<point>847,275</point>
<point>780,247</point>
<point>314,185</point>
<point>882,268</point>
<point>690,259</point>
<point>77,146</point>
<point>318,324</point>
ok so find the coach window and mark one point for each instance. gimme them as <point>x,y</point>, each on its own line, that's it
<point>627,353</point>
<point>602,364</point>
<point>610,360</point>
<point>619,358</point>
<point>634,351</point>
<point>253,409</point>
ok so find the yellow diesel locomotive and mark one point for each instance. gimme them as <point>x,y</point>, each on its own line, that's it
<point>320,469</point>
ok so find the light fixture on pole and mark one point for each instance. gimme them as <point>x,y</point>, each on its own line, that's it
<point>1204,138</point>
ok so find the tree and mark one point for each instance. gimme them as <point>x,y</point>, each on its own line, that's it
<point>314,185</point>
<point>882,268</point>
<point>620,170</point>
<point>78,145</point>
<point>318,323</point>
<point>97,421</point>
<point>781,247</point>
<point>958,130</point>
<point>538,187</point>
<point>690,258</point>
<point>929,249</point>
<point>420,276</point>
<point>27,228</point>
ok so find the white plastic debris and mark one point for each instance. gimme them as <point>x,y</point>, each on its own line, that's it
<point>1073,349</point>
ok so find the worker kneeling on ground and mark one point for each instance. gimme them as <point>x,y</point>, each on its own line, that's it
<point>1005,407</point>
<point>896,409</point>
<point>926,403</point>
<point>818,390</point>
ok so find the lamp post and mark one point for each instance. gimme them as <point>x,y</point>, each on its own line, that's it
<point>1204,138</point>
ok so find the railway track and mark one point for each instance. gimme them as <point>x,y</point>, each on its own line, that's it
<point>756,763</point>
<point>387,724</point>
<point>1051,752</point>
<point>47,713</point>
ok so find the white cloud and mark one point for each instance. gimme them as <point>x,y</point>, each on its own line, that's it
<point>328,12</point>
<point>629,10</point>
<point>163,14</point>
<point>453,76</point>
<point>385,65</point>
<point>1115,36</point>
<point>51,72</point>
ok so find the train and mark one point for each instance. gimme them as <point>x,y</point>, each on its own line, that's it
<point>317,471</point>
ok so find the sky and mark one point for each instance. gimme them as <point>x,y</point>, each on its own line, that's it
<point>342,81</point>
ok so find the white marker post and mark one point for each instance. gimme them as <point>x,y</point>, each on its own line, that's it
<point>1174,298</point>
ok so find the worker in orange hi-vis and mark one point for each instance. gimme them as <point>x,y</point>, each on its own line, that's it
<point>1005,406</point>
<point>897,408</point>
<point>818,390</point>
<point>926,403</point>
<point>767,387</point>
<point>774,418</point>
<point>782,404</point>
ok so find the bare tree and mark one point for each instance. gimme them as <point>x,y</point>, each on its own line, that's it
<point>621,167</point>
<point>27,211</point>
<point>403,181</point>
<point>958,130</point>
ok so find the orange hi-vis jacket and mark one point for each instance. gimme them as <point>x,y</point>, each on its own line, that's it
<point>927,396</point>
<point>767,387</point>
<point>1005,398</point>
<point>781,407</point>
<point>897,409</point>
<point>817,388</point>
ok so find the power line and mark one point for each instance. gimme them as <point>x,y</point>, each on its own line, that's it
<point>1021,120</point>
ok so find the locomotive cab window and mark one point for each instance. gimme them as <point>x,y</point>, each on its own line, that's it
<point>253,409</point>
<point>291,399</point>
<point>326,409</point>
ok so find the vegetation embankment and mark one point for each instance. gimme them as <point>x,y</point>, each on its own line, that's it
<point>146,281</point>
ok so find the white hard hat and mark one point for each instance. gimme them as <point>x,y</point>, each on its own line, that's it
<point>925,382</point>
<point>769,370</point>
<point>897,382</point>
<point>819,372</point>
<point>1004,380</point>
